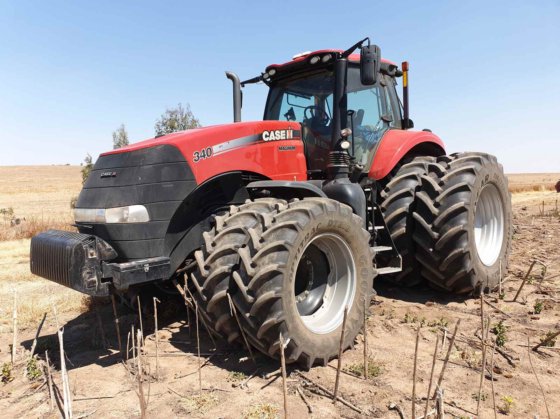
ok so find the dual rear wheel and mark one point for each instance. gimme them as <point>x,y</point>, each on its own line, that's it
<point>450,218</point>
<point>291,269</point>
<point>463,223</point>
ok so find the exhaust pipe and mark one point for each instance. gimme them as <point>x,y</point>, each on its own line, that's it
<point>236,95</point>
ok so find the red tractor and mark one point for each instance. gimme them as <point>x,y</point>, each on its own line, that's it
<point>291,218</point>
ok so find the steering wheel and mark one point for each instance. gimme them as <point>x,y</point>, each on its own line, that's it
<point>316,113</point>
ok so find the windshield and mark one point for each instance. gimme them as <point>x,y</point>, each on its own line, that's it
<point>308,99</point>
<point>299,99</point>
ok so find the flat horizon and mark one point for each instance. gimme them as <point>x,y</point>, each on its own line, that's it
<point>78,165</point>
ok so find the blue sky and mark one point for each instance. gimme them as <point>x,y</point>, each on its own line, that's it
<point>484,75</point>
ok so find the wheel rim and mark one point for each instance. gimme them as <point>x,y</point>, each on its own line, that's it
<point>325,282</point>
<point>489,224</point>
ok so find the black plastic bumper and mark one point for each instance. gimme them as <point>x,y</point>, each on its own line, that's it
<point>82,262</point>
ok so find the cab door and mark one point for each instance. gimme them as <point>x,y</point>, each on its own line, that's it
<point>368,117</point>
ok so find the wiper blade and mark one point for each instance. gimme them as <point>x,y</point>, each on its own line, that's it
<point>253,80</point>
<point>296,94</point>
<point>350,50</point>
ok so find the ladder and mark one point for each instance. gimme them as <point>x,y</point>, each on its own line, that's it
<point>386,259</point>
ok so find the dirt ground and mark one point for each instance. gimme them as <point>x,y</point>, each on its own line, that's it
<point>102,384</point>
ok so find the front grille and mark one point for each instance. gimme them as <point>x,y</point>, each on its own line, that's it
<point>157,177</point>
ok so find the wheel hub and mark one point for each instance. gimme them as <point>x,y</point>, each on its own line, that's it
<point>489,221</point>
<point>325,283</point>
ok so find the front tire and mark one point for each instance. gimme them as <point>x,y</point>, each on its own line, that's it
<point>218,257</point>
<point>299,275</point>
<point>463,223</point>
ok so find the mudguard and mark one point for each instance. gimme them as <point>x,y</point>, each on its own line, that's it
<point>286,189</point>
<point>397,143</point>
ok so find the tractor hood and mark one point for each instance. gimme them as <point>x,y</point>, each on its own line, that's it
<point>213,150</point>
<point>160,173</point>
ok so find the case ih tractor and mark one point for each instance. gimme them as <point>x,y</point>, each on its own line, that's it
<point>291,217</point>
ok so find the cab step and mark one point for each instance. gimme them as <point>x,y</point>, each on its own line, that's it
<point>387,258</point>
<point>382,248</point>
<point>388,270</point>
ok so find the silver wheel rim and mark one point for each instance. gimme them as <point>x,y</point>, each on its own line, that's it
<point>489,224</point>
<point>337,289</point>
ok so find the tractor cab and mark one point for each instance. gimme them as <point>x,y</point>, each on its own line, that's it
<point>302,90</point>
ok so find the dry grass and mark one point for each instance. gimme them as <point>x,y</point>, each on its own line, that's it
<point>532,182</point>
<point>36,298</point>
<point>36,295</point>
<point>39,196</point>
<point>30,227</point>
<point>261,411</point>
<point>531,188</point>
<point>199,403</point>
<point>375,369</point>
<point>39,192</point>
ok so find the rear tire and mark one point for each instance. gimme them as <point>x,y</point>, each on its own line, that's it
<point>463,223</point>
<point>397,202</point>
<point>217,258</point>
<point>306,239</point>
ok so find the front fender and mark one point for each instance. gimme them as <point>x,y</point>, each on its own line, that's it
<point>396,144</point>
<point>286,189</point>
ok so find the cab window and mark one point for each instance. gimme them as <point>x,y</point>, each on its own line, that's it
<point>393,104</point>
<point>366,105</point>
<point>306,99</point>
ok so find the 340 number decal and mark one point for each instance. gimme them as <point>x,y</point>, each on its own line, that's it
<point>205,153</point>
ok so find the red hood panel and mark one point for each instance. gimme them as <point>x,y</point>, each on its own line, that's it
<point>209,135</point>
<point>270,148</point>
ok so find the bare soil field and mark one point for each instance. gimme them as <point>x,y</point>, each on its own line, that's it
<point>102,381</point>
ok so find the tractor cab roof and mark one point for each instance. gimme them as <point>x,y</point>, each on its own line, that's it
<point>321,58</point>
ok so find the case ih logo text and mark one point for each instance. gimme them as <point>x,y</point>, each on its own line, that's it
<point>279,134</point>
<point>108,174</point>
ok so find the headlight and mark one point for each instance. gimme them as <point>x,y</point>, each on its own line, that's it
<point>130,214</point>
<point>314,60</point>
<point>89,215</point>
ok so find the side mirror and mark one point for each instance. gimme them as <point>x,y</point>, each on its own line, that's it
<point>370,64</point>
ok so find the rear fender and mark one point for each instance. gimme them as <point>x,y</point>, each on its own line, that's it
<point>396,144</point>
